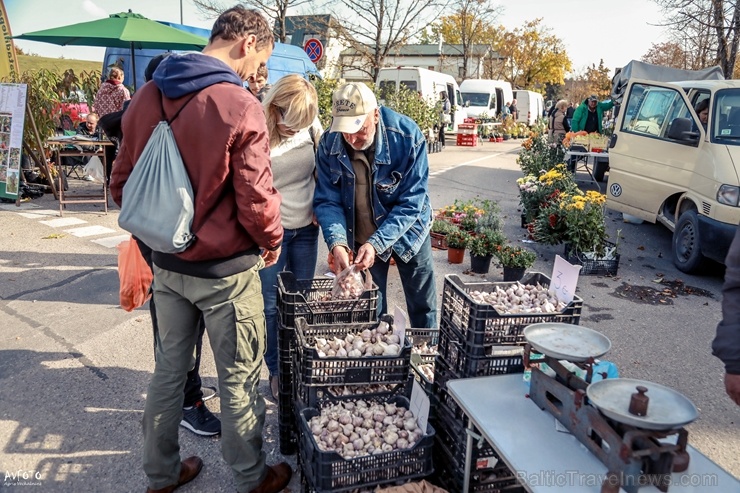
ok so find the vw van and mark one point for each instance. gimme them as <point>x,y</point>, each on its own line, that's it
<point>668,167</point>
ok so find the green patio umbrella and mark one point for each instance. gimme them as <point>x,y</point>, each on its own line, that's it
<point>124,30</point>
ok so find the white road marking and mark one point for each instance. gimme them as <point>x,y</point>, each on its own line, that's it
<point>90,231</point>
<point>63,221</point>
<point>41,213</point>
<point>113,241</point>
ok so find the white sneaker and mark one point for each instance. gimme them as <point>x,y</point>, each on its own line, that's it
<point>88,178</point>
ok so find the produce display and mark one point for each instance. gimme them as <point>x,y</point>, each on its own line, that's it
<point>424,349</point>
<point>371,388</point>
<point>357,429</point>
<point>427,369</point>
<point>379,341</point>
<point>520,298</point>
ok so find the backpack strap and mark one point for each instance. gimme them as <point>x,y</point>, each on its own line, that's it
<point>161,105</point>
<point>312,133</point>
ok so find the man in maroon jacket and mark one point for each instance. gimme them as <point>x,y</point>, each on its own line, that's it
<point>223,140</point>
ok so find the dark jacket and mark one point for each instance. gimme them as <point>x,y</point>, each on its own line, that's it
<point>726,345</point>
<point>580,115</point>
<point>223,140</point>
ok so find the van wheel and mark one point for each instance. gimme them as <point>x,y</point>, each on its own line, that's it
<point>687,243</point>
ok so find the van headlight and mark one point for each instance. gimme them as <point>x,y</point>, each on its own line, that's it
<point>728,195</point>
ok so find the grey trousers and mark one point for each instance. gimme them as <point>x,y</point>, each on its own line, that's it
<point>234,316</point>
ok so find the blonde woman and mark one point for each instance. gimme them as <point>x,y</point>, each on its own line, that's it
<point>291,110</point>
<point>558,124</point>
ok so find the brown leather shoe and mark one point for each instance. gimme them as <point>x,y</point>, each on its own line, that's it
<point>189,469</point>
<point>277,478</point>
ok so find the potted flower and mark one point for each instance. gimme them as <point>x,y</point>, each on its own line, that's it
<point>457,241</point>
<point>482,247</point>
<point>515,260</point>
<point>439,232</point>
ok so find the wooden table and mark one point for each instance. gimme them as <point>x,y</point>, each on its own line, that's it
<point>549,461</point>
<point>82,148</point>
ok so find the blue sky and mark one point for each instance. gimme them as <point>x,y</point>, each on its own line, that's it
<point>590,29</point>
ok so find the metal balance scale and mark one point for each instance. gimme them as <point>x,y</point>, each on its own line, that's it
<point>634,427</point>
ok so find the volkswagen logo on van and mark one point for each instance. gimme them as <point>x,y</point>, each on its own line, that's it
<point>615,189</point>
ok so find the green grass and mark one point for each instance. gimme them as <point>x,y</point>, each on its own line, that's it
<point>58,65</point>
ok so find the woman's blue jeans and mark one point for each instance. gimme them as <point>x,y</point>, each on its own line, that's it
<point>417,279</point>
<point>298,255</point>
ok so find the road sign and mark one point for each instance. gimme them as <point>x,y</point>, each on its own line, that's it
<point>314,49</point>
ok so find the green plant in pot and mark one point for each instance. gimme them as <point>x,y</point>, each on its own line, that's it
<point>482,248</point>
<point>440,229</point>
<point>515,260</point>
<point>457,241</point>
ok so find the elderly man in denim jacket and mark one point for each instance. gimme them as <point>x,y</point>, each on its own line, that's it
<point>372,197</point>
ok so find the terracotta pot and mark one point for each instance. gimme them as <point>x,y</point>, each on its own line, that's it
<point>480,264</point>
<point>513,273</point>
<point>455,255</point>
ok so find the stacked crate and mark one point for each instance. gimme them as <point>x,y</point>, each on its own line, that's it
<point>318,381</point>
<point>475,340</point>
<point>467,134</point>
<point>307,298</point>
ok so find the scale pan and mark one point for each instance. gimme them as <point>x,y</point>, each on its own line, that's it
<point>666,410</point>
<point>567,341</point>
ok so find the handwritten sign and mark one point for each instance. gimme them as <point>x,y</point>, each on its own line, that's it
<point>419,405</point>
<point>564,279</point>
<point>399,323</point>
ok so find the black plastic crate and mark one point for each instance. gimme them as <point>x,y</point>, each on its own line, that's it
<point>593,267</point>
<point>318,397</point>
<point>416,361</point>
<point>310,370</point>
<point>453,349</point>
<point>288,436</point>
<point>497,480</point>
<point>442,375</point>
<point>452,432</point>
<point>481,323</point>
<point>328,471</point>
<point>304,298</point>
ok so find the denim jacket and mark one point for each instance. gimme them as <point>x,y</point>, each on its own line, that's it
<point>400,202</point>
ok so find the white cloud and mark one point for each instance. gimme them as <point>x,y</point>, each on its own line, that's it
<point>91,8</point>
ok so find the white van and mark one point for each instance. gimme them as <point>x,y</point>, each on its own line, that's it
<point>666,167</point>
<point>530,106</point>
<point>485,96</point>
<point>428,84</point>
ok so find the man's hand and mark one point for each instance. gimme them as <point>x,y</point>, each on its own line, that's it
<point>732,387</point>
<point>365,256</point>
<point>341,258</point>
<point>271,258</point>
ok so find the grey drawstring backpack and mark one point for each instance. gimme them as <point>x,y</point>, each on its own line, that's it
<point>157,203</point>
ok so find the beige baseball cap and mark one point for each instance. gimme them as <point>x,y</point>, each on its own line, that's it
<point>350,105</point>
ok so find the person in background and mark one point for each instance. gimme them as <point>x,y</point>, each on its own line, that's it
<point>702,111</point>
<point>726,344</point>
<point>589,115</point>
<point>90,126</point>
<point>291,111</point>
<point>444,115</point>
<point>258,84</point>
<point>558,124</point>
<point>223,140</point>
<point>513,111</point>
<point>372,197</point>
<point>569,115</point>
<point>111,97</point>
<point>505,111</point>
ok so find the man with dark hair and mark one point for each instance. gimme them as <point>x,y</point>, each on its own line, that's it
<point>589,114</point>
<point>223,140</point>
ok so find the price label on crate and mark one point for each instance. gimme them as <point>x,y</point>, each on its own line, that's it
<point>419,405</point>
<point>399,323</point>
<point>564,279</point>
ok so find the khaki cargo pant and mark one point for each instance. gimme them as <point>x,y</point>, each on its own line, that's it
<point>234,315</point>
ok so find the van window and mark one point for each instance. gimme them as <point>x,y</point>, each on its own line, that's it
<point>650,111</point>
<point>387,88</point>
<point>725,118</point>
<point>410,85</point>
<point>476,98</point>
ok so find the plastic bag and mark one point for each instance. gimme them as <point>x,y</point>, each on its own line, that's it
<point>134,274</point>
<point>94,169</point>
<point>349,284</point>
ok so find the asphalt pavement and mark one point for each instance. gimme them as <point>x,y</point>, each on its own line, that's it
<point>74,367</point>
